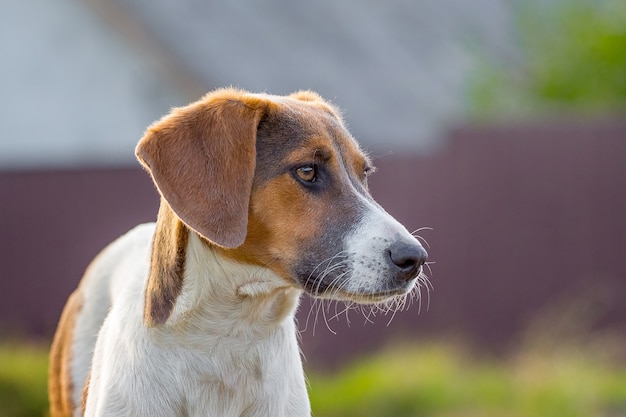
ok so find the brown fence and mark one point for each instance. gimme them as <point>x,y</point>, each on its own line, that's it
<point>524,219</point>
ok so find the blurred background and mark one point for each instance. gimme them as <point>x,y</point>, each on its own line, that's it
<point>498,129</point>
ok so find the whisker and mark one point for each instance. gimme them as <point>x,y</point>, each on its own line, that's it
<point>347,307</point>
<point>393,314</point>
<point>308,316</point>
<point>428,264</point>
<point>326,322</point>
<point>368,314</point>
<point>317,313</point>
<point>419,296</point>
<point>421,228</point>
<point>330,265</point>
<point>328,262</point>
<point>421,238</point>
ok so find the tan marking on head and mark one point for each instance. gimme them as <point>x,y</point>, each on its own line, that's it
<point>351,154</point>
<point>286,219</point>
<point>60,384</point>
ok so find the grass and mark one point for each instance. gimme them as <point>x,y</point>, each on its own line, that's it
<point>437,380</point>
<point>418,380</point>
<point>23,380</point>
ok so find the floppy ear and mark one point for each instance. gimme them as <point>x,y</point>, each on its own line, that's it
<point>202,160</point>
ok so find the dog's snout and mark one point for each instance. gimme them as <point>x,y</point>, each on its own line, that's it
<point>406,258</point>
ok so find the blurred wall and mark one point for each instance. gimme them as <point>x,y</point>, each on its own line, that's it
<point>522,217</point>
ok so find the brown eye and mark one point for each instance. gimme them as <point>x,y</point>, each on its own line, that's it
<point>307,173</point>
<point>368,170</point>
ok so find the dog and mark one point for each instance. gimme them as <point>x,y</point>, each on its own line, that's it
<point>262,198</point>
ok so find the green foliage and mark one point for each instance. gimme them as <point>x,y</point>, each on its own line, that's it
<point>439,381</point>
<point>425,380</point>
<point>572,58</point>
<point>23,380</point>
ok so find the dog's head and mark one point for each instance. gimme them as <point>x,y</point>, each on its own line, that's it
<point>278,182</point>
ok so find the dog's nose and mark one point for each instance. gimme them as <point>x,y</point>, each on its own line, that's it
<point>406,258</point>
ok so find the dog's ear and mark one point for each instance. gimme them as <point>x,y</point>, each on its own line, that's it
<point>202,160</point>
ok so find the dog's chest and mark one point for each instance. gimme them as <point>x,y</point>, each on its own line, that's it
<point>243,381</point>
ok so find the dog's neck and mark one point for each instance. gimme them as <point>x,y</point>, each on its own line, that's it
<point>192,284</point>
<point>243,295</point>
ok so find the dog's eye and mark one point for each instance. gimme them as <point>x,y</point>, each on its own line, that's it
<point>307,173</point>
<point>368,170</point>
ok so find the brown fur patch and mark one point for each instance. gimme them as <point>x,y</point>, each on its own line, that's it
<point>60,375</point>
<point>167,266</point>
<point>285,220</point>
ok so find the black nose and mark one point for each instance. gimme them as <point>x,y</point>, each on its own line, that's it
<point>406,259</point>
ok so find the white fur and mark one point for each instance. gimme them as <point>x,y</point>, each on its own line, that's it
<point>229,347</point>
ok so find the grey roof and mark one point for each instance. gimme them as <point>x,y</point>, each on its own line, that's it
<point>78,89</point>
<point>73,92</point>
<point>397,67</point>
